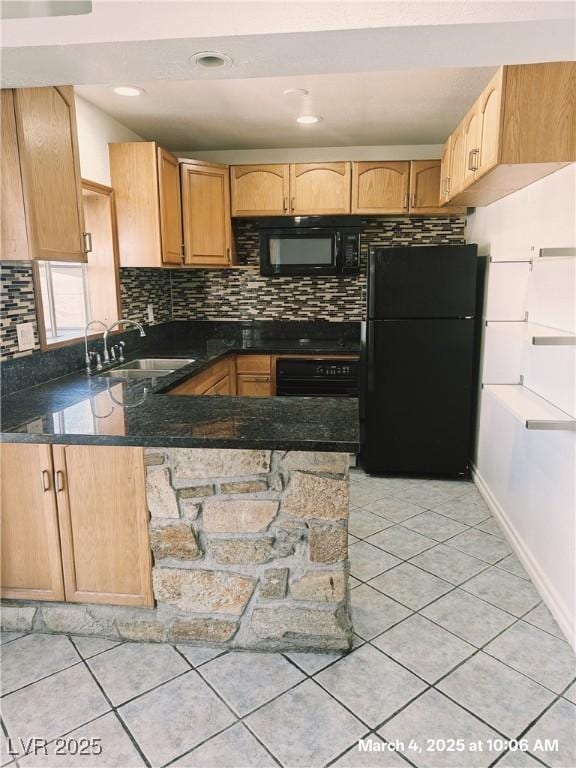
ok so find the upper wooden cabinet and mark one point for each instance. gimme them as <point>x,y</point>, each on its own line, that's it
<point>398,187</point>
<point>146,183</point>
<point>380,187</point>
<point>300,189</point>
<point>521,128</point>
<point>170,207</point>
<point>42,215</point>
<point>14,238</point>
<point>489,110</point>
<point>425,189</point>
<point>206,214</point>
<point>455,173</point>
<point>320,188</point>
<point>260,190</point>
<point>75,524</point>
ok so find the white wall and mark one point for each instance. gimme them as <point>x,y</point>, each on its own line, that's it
<point>317,154</point>
<point>95,130</point>
<point>528,476</point>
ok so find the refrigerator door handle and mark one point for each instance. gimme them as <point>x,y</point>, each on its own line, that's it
<point>370,310</point>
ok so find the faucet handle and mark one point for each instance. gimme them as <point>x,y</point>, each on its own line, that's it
<point>113,349</point>
<point>121,345</point>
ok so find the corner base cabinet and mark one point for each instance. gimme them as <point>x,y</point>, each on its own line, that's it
<point>74,524</point>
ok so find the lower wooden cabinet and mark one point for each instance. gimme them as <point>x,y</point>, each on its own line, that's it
<point>254,376</point>
<point>217,379</point>
<point>253,385</point>
<point>31,558</point>
<point>75,524</point>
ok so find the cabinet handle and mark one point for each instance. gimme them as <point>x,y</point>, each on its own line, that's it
<point>407,200</point>
<point>447,185</point>
<point>228,254</point>
<point>286,204</point>
<point>45,480</point>
<point>59,480</point>
<point>293,204</point>
<point>87,237</point>
<point>413,200</point>
<point>471,157</point>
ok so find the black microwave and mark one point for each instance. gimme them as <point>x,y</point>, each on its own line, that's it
<point>309,245</point>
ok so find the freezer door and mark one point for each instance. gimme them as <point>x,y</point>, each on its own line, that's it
<point>424,281</point>
<point>416,396</point>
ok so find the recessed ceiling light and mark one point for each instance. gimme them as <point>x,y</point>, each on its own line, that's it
<point>210,59</point>
<point>295,92</point>
<point>128,90</point>
<point>308,119</point>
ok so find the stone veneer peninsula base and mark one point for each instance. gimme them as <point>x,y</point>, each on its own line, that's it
<point>249,551</point>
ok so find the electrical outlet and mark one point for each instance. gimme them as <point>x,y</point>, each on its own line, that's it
<point>150,313</point>
<point>25,333</point>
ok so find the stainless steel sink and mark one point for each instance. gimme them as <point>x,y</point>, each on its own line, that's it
<point>155,364</point>
<point>148,367</point>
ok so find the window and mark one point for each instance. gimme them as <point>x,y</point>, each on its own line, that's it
<point>70,294</point>
<point>65,300</point>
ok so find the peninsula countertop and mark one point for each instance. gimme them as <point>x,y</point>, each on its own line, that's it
<point>105,410</point>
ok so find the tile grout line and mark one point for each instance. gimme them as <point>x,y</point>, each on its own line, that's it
<point>239,719</point>
<point>114,709</point>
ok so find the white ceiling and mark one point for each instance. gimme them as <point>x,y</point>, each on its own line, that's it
<point>366,108</point>
<point>145,41</point>
<point>114,20</point>
<point>379,73</point>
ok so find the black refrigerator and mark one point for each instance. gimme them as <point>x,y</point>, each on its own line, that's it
<point>418,360</point>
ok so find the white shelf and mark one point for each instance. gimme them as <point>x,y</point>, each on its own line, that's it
<point>533,411</point>
<point>543,335</point>
<point>557,253</point>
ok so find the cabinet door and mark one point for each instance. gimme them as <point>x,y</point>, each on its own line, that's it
<point>170,208</point>
<point>489,110</point>
<point>380,187</point>
<point>134,174</point>
<point>445,171</point>
<point>472,130</point>
<point>253,385</point>
<point>456,175</point>
<point>260,190</point>
<point>103,524</point>
<point>221,387</point>
<point>46,123</point>
<point>14,239</point>
<point>425,184</point>
<point>319,188</point>
<point>206,215</point>
<point>31,564</point>
<point>253,363</point>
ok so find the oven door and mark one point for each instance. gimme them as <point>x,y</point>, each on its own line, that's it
<point>300,252</point>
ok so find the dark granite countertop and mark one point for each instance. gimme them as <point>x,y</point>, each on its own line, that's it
<point>99,410</point>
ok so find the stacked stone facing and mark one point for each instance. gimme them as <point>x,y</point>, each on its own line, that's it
<point>249,550</point>
<point>250,546</point>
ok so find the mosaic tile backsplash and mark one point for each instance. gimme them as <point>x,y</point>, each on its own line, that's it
<point>17,305</point>
<point>235,294</point>
<point>243,294</point>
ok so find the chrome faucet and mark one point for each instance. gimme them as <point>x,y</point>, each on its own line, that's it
<point>122,321</point>
<point>87,357</point>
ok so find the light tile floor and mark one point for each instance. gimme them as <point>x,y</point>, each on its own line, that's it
<point>452,642</point>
